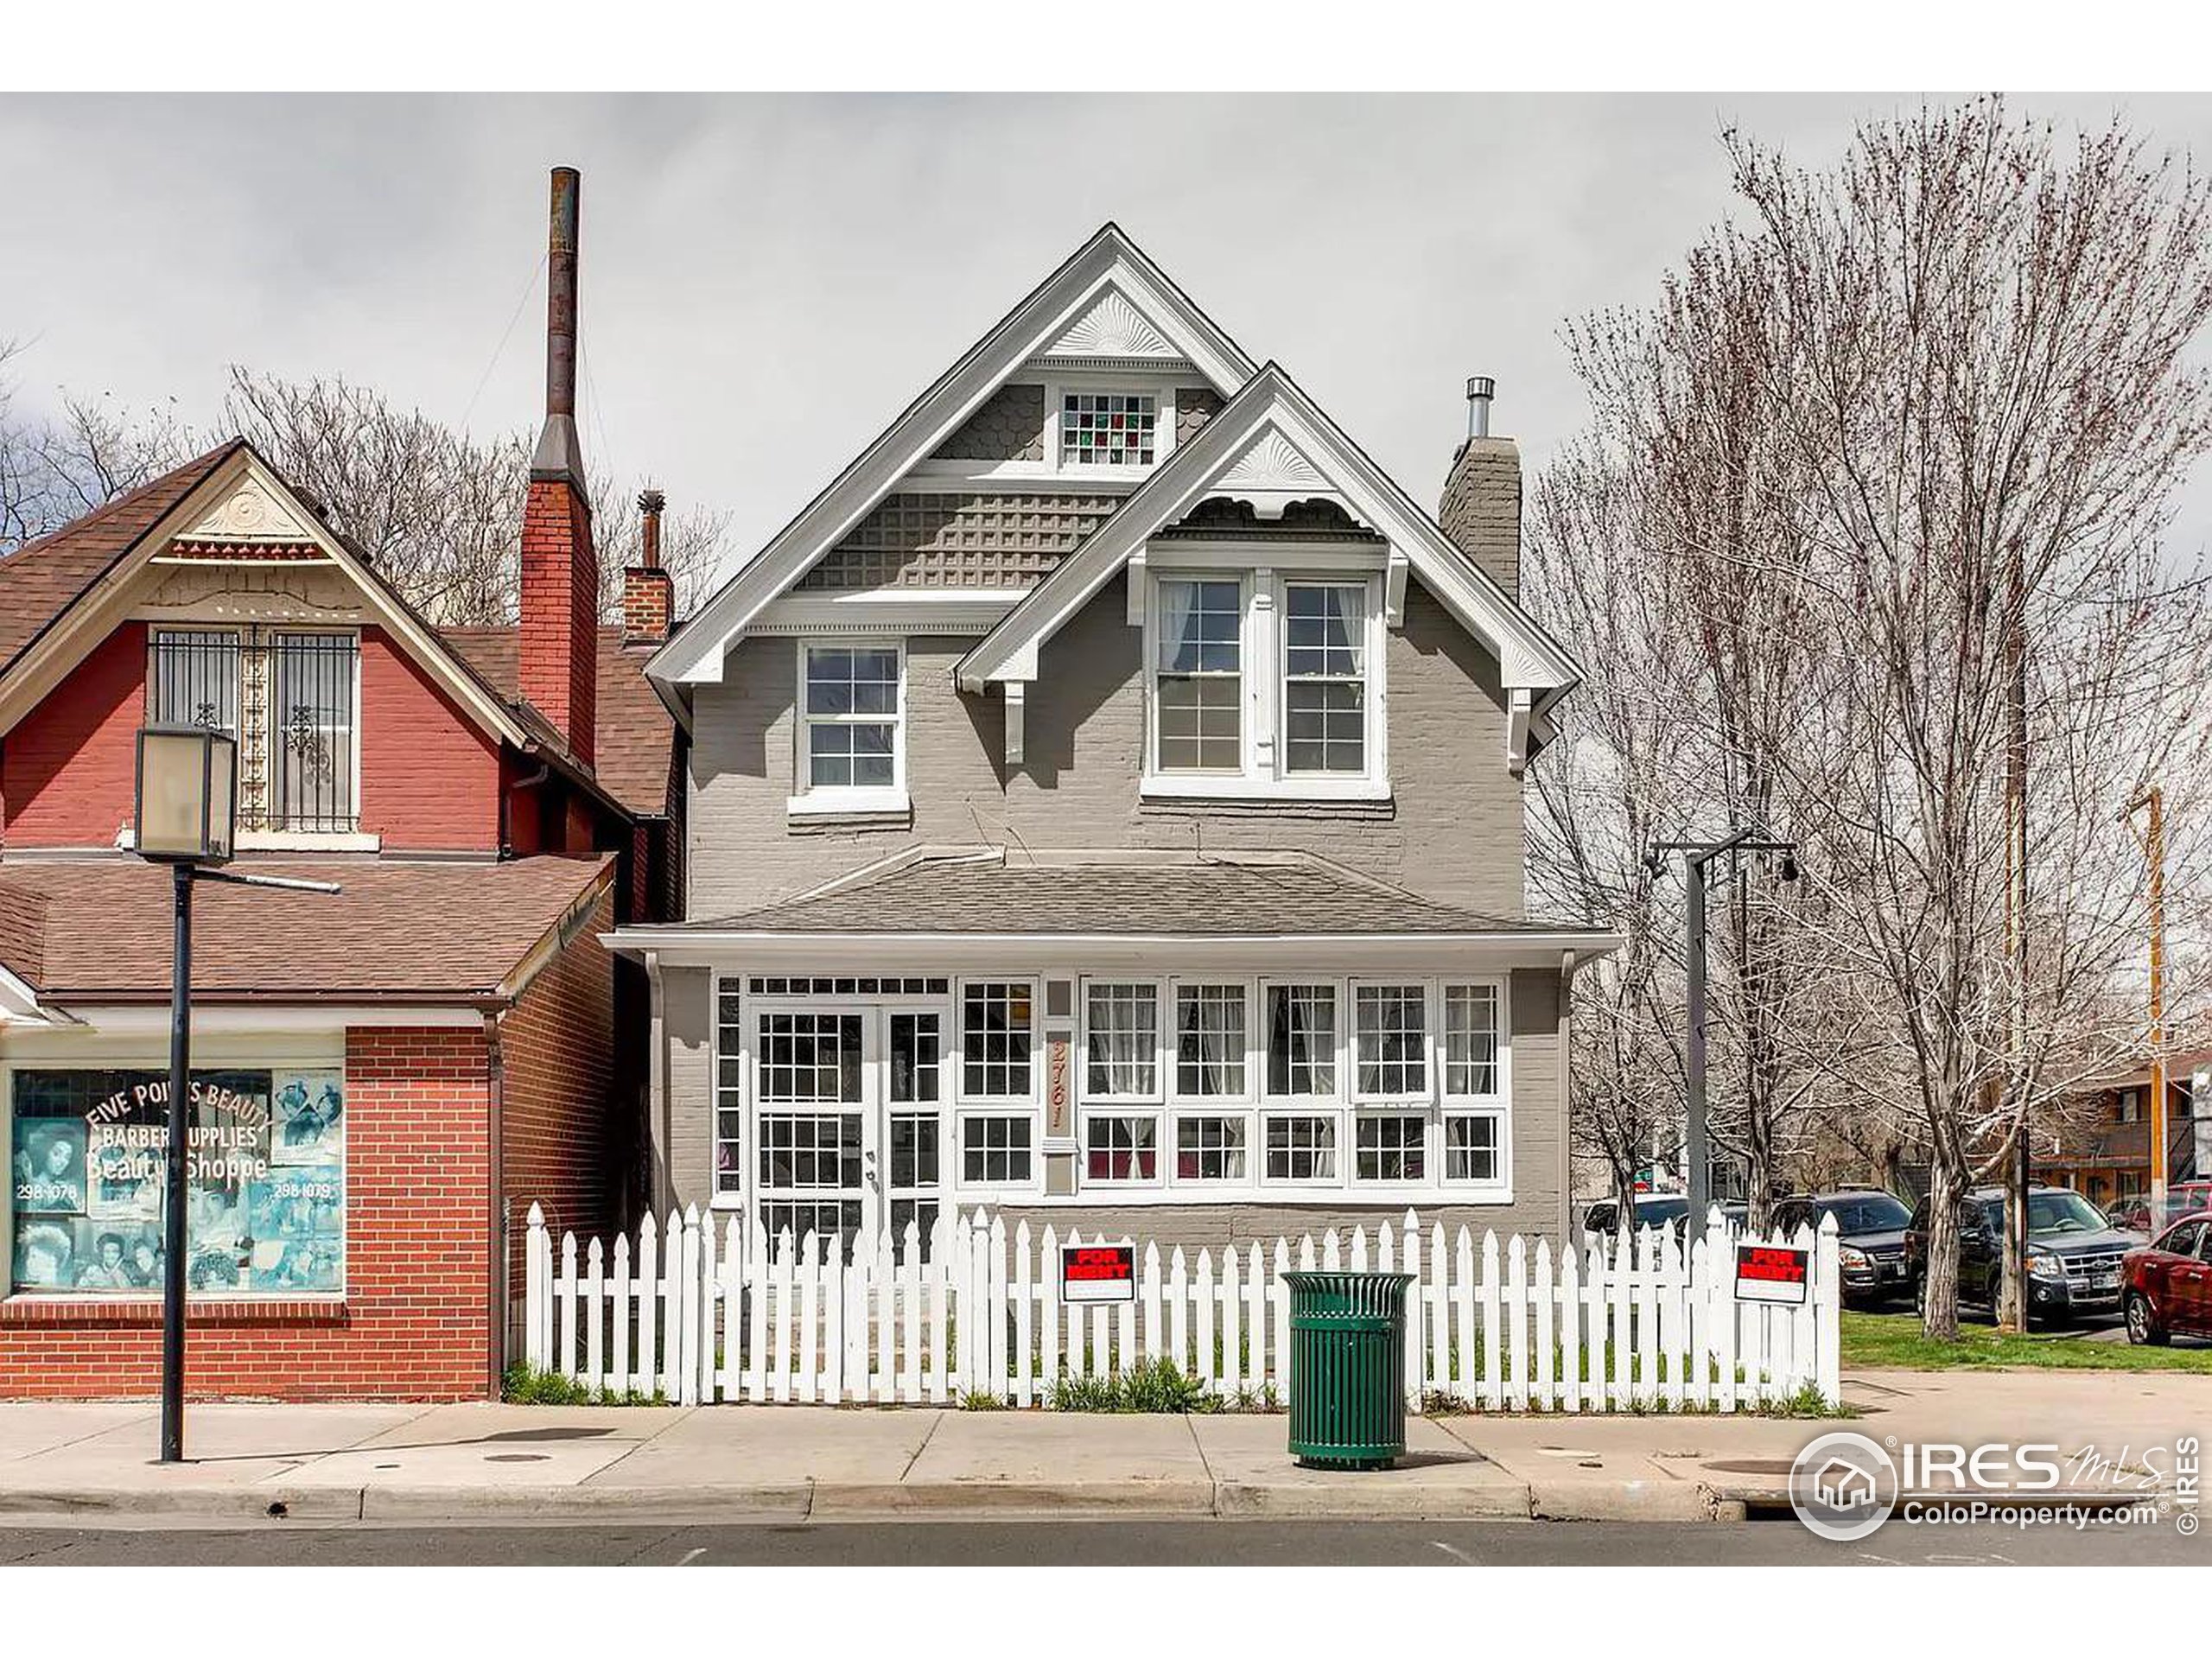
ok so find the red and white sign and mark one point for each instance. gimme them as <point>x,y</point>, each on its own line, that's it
<point>1098,1273</point>
<point>1771,1273</point>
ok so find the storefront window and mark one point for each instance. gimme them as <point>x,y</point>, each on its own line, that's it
<point>265,1191</point>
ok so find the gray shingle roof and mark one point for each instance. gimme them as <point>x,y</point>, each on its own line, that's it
<point>1209,898</point>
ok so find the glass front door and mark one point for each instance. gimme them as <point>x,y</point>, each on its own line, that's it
<point>849,1122</point>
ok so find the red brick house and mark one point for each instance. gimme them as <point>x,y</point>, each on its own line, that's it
<point>386,1078</point>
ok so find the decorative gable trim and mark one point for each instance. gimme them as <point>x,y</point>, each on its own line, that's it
<point>239,513</point>
<point>1108,267</point>
<point>1272,435</point>
<point>1113,328</point>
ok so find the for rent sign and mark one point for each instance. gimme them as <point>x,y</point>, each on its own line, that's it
<point>1098,1273</point>
<point>1771,1273</point>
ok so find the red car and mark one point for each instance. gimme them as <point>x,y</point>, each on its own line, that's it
<point>2166,1286</point>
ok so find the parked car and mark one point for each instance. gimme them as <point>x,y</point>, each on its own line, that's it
<point>1870,1228</point>
<point>2073,1253</point>
<point>2167,1285</point>
<point>1652,1210</point>
<point>2183,1198</point>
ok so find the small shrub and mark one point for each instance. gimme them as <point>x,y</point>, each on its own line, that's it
<point>981,1400</point>
<point>524,1385</point>
<point>1073,1392</point>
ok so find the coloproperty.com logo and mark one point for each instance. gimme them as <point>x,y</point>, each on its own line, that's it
<point>1844,1485</point>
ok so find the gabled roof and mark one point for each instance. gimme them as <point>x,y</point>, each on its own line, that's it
<point>1085,288</point>
<point>42,579</point>
<point>635,742</point>
<point>1272,441</point>
<point>96,930</point>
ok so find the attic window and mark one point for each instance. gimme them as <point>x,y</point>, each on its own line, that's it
<point>1108,429</point>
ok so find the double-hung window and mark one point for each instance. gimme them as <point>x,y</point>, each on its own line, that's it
<point>1474,1092</point>
<point>1324,678</point>
<point>1301,1144</point>
<point>1120,1029</point>
<point>1391,1026</point>
<point>1198,690</point>
<point>850,709</point>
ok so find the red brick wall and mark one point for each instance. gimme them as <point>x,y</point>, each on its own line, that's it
<point>430,775</point>
<point>67,770</point>
<point>415,1320</point>
<point>559,667</point>
<point>559,1144</point>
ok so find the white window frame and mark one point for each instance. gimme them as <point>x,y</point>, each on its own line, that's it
<point>1172,1019</point>
<point>958,1178</point>
<point>1495,1105</point>
<point>1336,1095</point>
<point>1426,1093</point>
<point>1163,1006</point>
<point>1430,1134</point>
<point>1264,576</point>
<point>1160,386</point>
<point>1329,1111</point>
<point>959,1091</point>
<point>1134,1111</point>
<point>1245,1118</point>
<point>1367,588</point>
<point>809,799</point>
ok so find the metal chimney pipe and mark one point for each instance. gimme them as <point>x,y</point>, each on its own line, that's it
<point>561,295</point>
<point>651,503</point>
<point>1480,389</point>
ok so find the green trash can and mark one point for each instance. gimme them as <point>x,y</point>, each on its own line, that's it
<point>1347,1368</point>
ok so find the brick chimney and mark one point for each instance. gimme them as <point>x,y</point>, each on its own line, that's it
<point>648,591</point>
<point>1481,509</point>
<point>559,567</point>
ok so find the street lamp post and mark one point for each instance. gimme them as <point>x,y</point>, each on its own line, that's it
<point>186,816</point>
<point>1697,857</point>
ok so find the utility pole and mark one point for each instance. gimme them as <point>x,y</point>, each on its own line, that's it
<point>1697,857</point>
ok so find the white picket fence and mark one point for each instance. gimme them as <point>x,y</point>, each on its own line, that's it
<point>1620,1324</point>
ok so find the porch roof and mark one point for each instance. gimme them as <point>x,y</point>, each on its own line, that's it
<point>964,896</point>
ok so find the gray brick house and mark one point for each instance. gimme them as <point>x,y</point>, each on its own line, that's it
<point>1105,802</point>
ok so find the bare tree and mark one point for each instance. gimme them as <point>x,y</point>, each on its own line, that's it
<point>1981,368</point>
<point>58,468</point>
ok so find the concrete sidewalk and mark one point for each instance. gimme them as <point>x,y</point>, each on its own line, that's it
<point>334,1464</point>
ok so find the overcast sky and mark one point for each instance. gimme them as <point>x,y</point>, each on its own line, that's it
<point>767,280</point>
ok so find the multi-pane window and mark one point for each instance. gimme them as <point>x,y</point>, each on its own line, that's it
<point>809,1057</point>
<point>851,717</point>
<point>1471,1039</point>
<point>917,1063</point>
<point>1108,429</point>
<point>1210,1042</point>
<point>1391,1024</point>
<point>916,1128</point>
<point>1209,1148</point>
<point>810,1149</point>
<point>1389,1148</point>
<point>1199,685</point>
<point>994,1039</point>
<point>1121,1041</point>
<point>995,1148</point>
<point>1301,1039</point>
<point>729,1088</point>
<point>1324,678</point>
<point>289,700</point>
<point>1471,1146</point>
<point>1122,1149</point>
<point>1301,1148</point>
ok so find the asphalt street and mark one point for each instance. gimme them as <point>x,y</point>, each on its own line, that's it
<point>1101,1543</point>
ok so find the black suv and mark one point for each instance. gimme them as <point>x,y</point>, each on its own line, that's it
<point>1652,1210</point>
<point>2073,1253</point>
<point>1870,1227</point>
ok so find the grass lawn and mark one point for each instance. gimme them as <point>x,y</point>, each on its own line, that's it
<point>1894,1340</point>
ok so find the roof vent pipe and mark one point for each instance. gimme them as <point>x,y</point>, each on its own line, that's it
<point>1480,389</point>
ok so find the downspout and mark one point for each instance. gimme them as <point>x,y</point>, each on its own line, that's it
<point>663,1199</point>
<point>496,1184</point>
<point>1566,1100</point>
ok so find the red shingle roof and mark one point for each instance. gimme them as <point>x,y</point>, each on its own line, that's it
<point>636,737</point>
<point>99,930</point>
<point>42,579</point>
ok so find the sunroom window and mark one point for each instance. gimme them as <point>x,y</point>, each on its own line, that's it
<point>1301,1039</point>
<point>1210,1042</point>
<point>1391,1026</point>
<point>1121,1041</point>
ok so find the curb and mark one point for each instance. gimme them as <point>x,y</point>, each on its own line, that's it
<point>1254,1500</point>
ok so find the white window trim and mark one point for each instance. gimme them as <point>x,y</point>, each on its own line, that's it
<point>1339,1053</point>
<point>1431,1140</point>
<point>1163,1005</point>
<point>1247,1115</point>
<point>957,1179</point>
<point>810,800</point>
<point>1335,1113</point>
<point>1373,633</point>
<point>1262,659</point>
<point>1161,1151</point>
<point>1432,1084</point>
<point>1496,1105</point>
<point>1173,1030</point>
<point>1158,386</point>
<point>958,1093</point>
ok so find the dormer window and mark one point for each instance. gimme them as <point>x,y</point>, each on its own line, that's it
<point>1108,429</point>
<point>290,698</point>
<point>1200,684</point>
<point>1324,678</point>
